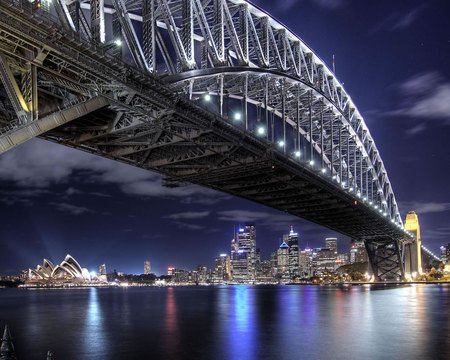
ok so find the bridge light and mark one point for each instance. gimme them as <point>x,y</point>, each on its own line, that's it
<point>343,183</point>
<point>118,42</point>
<point>365,198</point>
<point>281,143</point>
<point>207,97</point>
<point>334,177</point>
<point>324,170</point>
<point>237,116</point>
<point>261,130</point>
<point>311,162</point>
<point>376,206</point>
<point>297,154</point>
<point>351,189</point>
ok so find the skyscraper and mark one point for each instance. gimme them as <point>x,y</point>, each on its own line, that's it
<point>331,244</point>
<point>443,255</point>
<point>102,269</point>
<point>292,242</point>
<point>283,261</point>
<point>243,254</point>
<point>147,267</point>
<point>222,267</point>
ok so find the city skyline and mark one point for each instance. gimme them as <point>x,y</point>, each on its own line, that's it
<point>56,200</point>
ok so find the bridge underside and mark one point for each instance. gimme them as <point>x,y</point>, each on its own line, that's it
<point>223,158</point>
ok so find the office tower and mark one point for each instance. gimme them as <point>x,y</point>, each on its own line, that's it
<point>243,254</point>
<point>147,267</point>
<point>102,269</point>
<point>331,244</point>
<point>201,273</point>
<point>222,267</point>
<point>361,252</point>
<point>283,261</point>
<point>443,256</point>
<point>292,242</point>
<point>448,252</point>
<point>325,261</point>
<point>273,264</point>
<point>353,251</point>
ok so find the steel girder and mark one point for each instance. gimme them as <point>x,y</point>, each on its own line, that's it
<point>385,258</point>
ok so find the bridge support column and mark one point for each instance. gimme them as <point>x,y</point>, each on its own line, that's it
<point>385,259</point>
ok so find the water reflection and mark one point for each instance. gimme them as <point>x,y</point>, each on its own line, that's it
<point>171,333</point>
<point>231,322</point>
<point>238,322</point>
<point>94,335</point>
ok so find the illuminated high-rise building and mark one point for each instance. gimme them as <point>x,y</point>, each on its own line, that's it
<point>283,260</point>
<point>412,250</point>
<point>243,254</point>
<point>292,242</point>
<point>222,270</point>
<point>353,251</point>
<point>147,268</point>
<point>102,270</point>
<point>331,244</point>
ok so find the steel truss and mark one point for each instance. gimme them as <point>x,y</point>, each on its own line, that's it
<point>385,258</point>
<point>276,125</point>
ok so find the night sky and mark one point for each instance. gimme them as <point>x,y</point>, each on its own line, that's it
<point>392,56</point>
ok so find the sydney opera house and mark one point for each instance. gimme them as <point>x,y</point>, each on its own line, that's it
<point>68,272</point>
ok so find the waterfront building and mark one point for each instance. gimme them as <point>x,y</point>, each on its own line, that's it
<point>273,264</point>
<point>222,269</point>
<point>201,273</point>
<point>243,254</point>
<point>69,271</point>
<point>353,251</point>
<point>342,259</point>
<point>264,271</point>
<point>171,271</point>
<point>325,261</point>
<point>102,270</point>
<point>443,255</point>
<point>147,268</point>
<point>361,252</point>
<point>292,242</point>
<point>331,244</point>
<point>283,261</point>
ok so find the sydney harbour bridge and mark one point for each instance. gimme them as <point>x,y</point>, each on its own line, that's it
<point>210,92</point>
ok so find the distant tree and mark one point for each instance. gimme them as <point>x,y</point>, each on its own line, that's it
<point>357,276</point>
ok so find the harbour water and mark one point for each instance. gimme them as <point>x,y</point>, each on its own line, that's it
<point>230,322</point>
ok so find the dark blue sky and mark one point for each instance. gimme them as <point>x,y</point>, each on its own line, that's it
<point>393,58</point>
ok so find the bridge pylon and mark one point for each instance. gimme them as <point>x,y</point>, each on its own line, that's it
<point>385,258</point>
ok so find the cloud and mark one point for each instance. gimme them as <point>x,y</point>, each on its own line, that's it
<point>331,4</point>
<point>189,215</point>
<point>424,96</point>
<point>72,191</point>
<point>40,164</point>
<point>398,20</point>
<point>416,129</point>
<point>71,209</point>
<point>424,207</point>
<point>183,225</point>
<point>442,233</point>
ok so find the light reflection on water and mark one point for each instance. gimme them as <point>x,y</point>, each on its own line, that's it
<point>231,322</point>
<point>94,334</point>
